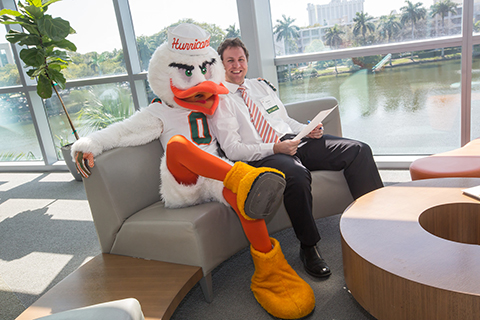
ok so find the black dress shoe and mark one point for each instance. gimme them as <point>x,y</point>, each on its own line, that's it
<point>314,263</point>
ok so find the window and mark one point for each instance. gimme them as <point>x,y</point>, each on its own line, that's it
<point>91,108</point>
<point>18,140</point>
<point>8,70</point>
<point>365,22</point>
<point>99,49</point>
<point>398,81</point>
<point>151,25</point>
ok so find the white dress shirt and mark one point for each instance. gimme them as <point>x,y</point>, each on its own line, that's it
<point>234,130</point>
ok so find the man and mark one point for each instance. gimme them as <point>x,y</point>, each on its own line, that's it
<point>257,143</point>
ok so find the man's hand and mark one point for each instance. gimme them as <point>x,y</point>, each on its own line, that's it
<point>83,163</point>
<point>287,147</point>
<point>316,133</point>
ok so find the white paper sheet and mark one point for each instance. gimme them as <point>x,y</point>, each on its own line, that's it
<point>473,192</point>
<point>315,122</point>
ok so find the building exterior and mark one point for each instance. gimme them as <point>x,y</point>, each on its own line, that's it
<point>335,12</point>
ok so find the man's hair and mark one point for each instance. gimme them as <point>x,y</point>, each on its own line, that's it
<point>229,43</point>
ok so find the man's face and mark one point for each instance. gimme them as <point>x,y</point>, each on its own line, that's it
<point>236,65</point>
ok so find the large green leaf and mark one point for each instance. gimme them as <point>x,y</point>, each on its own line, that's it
<point>35,12</point>
<point>55,28</point>
<point>32,57</point>
<point>30,40</point>
<point>36,3</point>
<point>14,36</point>
<point>44,87</point>
<point>62,44</point>
<point>57,77</point>
<point>10,12</point>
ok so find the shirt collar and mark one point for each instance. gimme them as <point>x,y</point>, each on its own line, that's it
<point>232,87</point>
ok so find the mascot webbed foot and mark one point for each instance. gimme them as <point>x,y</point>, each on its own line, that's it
<point>259,190</point>
<point>278,288</point>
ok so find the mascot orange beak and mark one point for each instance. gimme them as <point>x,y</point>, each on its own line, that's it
<point>203,97</point>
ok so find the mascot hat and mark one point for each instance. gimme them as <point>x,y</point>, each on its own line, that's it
<point>186,72</point>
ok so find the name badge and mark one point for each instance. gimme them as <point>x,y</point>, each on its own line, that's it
<point>269,104</point>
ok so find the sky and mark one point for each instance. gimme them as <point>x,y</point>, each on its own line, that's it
<point>151,16</point>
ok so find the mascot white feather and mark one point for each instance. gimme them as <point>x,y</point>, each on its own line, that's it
<point>186,74</point>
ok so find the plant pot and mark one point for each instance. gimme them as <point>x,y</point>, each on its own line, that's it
<point>70,162</point>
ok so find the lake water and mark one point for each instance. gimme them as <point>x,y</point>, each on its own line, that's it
<point>411,109</point>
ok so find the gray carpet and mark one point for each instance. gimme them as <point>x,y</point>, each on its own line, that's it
<point>231,284</point>
<point>46,232</point>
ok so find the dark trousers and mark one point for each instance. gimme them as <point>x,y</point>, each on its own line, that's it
<point>327,153</point>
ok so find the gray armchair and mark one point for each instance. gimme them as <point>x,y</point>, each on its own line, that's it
<point>130,219</point>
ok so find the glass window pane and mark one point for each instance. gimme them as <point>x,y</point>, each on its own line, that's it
<point>354,23</point>
<point>91,108</point>
<point>405,107</point>
<point>18,141</point>
<point>99,48</point>
<point>151,25</point>
<point>8,70</point>
<point>475,93</point>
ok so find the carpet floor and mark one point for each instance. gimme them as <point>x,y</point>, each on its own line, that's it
<point>47,232</point>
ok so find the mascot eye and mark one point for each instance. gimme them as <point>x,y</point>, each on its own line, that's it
<point>204,70</point>
<point>188,73</point>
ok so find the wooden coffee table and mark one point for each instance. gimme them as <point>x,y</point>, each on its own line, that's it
<point>412,250</point>
<point>158,286</point>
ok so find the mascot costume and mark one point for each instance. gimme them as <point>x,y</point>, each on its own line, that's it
<point>186,74</point>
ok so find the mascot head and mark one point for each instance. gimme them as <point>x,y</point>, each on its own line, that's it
<point>186,72</point>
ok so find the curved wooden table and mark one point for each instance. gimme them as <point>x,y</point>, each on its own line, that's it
<point>412,250</point>
<point>158,286</point>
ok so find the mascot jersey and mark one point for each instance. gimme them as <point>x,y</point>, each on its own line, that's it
<point>193,125</point>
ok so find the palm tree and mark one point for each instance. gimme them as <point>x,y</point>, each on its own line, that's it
<point>287,31</point>
<point>232,32</point>
<point>443,8</point>
<point>413,13</point>
<point>333,36</point>
<point>389,25</point>
<point>363,24</point>
<point>333,39</point>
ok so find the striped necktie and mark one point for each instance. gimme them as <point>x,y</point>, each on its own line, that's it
<point>263,128</point>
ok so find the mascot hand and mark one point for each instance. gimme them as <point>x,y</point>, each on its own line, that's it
<point>83,163</point>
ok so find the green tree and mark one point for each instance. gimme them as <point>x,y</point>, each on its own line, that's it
<point>389,26</point>
<point>146,47</point>
<point>363,24</point>
<point>315,46</point>
<point>232,32</point>
<point>412,13</point>
<point>333,39</point>
<point>286,31</point>
<point>443,8</point>
<point>333,36</point>
<point>104,106</point>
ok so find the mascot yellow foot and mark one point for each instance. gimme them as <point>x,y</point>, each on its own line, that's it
<point>259,190</point>
<point>278,288</point>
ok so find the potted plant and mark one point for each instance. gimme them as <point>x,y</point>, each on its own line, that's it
<point>46,52</point>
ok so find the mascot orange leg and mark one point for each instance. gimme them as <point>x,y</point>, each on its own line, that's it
<point>276,286</point>
<point>186,162</point>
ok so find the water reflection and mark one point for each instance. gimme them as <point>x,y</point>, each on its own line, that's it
<point>409,109</point>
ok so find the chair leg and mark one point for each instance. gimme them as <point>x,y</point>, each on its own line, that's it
<point>207,287</point>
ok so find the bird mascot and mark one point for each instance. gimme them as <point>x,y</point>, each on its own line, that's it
<point>186,74</point>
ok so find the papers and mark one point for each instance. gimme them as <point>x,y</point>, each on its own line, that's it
<point>473,192</point>
<point>317,120</point>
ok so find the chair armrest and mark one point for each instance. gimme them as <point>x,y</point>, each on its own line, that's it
<point>123,181</point>
<point>307,110</point>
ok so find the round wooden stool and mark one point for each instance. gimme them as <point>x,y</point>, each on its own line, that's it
<point>459,163</point>
<point>412,250</point>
